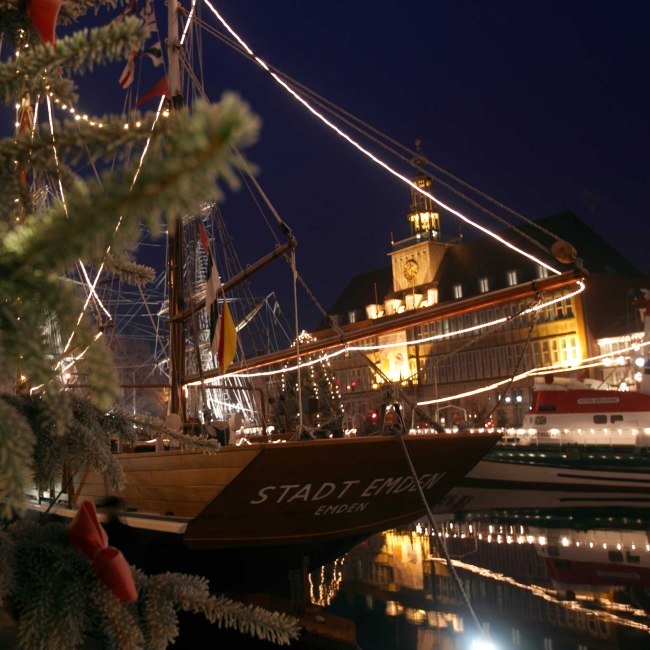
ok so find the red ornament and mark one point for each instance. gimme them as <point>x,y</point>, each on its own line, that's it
<point>86,533</point>
<point>43,15</point>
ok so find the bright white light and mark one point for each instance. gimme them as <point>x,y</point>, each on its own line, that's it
<point>482,644</point>
<point>639,362</point>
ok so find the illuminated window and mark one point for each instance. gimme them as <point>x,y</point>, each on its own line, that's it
<point>542,271</point>
<point>458,291</point>
<point>483,285</point>
<point>511,277</point>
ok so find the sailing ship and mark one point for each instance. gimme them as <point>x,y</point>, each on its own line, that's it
<point>271,489</point>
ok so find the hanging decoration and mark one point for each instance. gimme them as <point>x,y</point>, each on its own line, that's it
<point>43,14</point>
<point>86,533</point>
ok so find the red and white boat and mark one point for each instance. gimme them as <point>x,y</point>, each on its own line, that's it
<point>574,412</point>
<point>579,447</point>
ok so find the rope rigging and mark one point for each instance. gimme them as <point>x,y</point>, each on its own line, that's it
<point>384,141</point>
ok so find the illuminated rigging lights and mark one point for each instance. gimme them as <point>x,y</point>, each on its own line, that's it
<point>383,346</point>
<point>367,153</point>
<point>91,293</point>
<point>543,370</point>
<point>100,125</point>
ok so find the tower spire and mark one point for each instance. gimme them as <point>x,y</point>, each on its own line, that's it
<point>422,215</point>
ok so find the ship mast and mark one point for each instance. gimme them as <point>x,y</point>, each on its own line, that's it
<point>175,237</point>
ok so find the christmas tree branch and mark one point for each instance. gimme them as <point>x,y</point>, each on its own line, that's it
<point>128,270</point>
<point>35,71</point>
<point>179,175</point>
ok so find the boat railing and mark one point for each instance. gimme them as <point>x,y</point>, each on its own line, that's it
<point>524,437</point>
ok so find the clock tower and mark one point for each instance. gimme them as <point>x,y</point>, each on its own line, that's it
<point>416,259</point>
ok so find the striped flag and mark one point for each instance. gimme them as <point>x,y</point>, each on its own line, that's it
<point>223,336</point>
<point>126,78</point>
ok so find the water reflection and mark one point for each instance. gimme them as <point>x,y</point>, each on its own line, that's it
<point>535,580</point>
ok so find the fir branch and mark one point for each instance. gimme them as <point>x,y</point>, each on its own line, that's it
<point>128,270</point>
<point>16,447</point>
<point>77,139</point>
<point>72,10</point>
<point>34,293</point>
<point>35,71</point>
<point>115,621</point>
<point>162,594</point>
<point>60,602</point>
<point>6,564</point>
<point>50,589</point>
<point>275,627</point>
<point>67,432</point>
<point>182,176</point>
<point>193,443</point>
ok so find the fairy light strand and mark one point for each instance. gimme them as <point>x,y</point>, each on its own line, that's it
<point>542,370</point>
<point>366,348</point>
<point>370,155</point>
<point>159,112</point>
<point>91,293</point>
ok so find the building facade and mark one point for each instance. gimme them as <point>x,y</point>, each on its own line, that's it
<point>501,340</point>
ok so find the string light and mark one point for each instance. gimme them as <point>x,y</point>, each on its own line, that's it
<point>370,155</point>
<point>543,370</point>
<point>159,112</point>
<point>91,293</point>
<point>366,348</point>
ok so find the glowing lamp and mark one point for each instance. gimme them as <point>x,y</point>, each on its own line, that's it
<point>43,15</point>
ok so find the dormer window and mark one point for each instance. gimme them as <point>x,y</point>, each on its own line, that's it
<point>458,291</point>
<point>511,278</point>
<point>483,285</point>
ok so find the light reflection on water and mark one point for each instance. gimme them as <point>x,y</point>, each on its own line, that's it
<point>535,580</point>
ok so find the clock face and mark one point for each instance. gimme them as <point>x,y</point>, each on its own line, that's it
<point>410,270</point>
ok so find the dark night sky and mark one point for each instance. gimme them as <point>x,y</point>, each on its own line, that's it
<point>543,105</point>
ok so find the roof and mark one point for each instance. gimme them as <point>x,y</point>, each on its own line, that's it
<point>466,262</point>
<point>363,290</point>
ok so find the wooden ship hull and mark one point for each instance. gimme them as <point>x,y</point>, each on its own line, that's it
<point>285,494</point>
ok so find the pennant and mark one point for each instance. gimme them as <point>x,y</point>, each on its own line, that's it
<point>148,16</point>
<point>154,53</point>
<point>160,89</point>
<point>126,78</point>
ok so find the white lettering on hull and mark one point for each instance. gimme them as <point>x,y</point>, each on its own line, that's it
<point>310,492</point>
<point>341,508</point>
